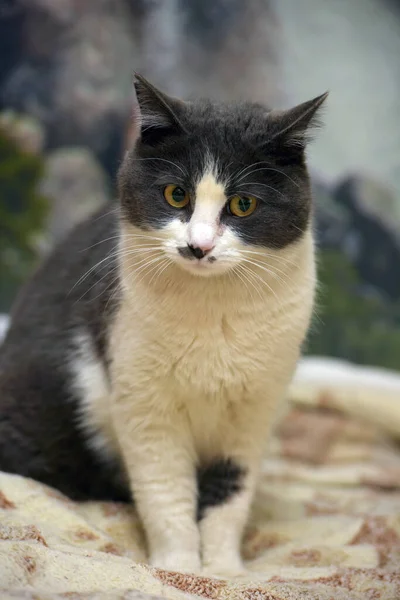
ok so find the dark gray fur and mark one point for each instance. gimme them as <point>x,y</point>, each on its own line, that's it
<point>39,436</point>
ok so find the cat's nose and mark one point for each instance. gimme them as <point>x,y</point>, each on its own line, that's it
<point>199,252</point>
<point>201,239</point>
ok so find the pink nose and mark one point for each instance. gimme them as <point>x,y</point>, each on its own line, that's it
<point>202,236</point>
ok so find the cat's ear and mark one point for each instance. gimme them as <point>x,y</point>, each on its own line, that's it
<point>156,115</point>
<point>289,131</point>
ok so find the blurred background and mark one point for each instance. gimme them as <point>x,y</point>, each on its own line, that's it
<point>65,97</point>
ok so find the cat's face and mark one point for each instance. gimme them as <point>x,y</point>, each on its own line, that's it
<point>212,186</point>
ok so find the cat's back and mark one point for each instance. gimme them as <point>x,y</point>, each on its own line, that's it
<point>73,288</point>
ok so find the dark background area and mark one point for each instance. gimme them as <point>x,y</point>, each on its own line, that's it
<point>65,98</point>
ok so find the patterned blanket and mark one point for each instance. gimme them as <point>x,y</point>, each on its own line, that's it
<point>325,523</point>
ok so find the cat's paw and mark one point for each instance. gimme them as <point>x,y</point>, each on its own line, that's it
<point>180,562</point>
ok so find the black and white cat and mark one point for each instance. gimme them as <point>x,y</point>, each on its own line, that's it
<point>149,356</point>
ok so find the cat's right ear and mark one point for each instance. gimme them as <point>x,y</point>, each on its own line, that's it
<point>155,114</point>
<point>291,130</point>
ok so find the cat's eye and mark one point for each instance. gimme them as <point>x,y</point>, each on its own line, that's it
<point>242,206</point>
<point>176,196</point>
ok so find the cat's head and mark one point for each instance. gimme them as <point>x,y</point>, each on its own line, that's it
<point>208,186</point>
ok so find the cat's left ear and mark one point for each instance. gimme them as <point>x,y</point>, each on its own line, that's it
<point>289,131</point>
<point>156,114</point>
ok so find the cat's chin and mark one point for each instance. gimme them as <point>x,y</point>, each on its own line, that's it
<point>203,269</point>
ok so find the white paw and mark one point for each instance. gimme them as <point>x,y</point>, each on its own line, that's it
<point>180,562</point>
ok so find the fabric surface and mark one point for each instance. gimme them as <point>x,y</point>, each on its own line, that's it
<point>325,523</point>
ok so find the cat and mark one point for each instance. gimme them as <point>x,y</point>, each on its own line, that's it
<point>148,357</point>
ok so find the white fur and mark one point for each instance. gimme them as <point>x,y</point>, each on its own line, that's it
<point>199,371</point>
<point>210,199</point>
<point>202,235</point>
<point>90,383</point>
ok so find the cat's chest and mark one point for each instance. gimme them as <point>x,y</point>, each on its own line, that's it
<point>218,358</point>
<point>187,354</point>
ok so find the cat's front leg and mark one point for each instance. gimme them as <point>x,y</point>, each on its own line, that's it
<point>226,484</point>
<point>158,456</point>
<point>225,493</point>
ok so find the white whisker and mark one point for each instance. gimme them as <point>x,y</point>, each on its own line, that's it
<point>118,253</point>
<point>256,262</point>
<point>270,272</point>
<point>146,264</point>
<point>266,284</point>
<point>270,187</point>
<point>114,293</point>
<point>142,235</point>
<point>144,269</point>
<point>114,237</point>
<point>95,284</point>
<point>160,270</point>
<point>143,259</point>
<point>108,213</point>
<point>163,160</point>
<point>298,228</point>
<point>239,273</point>
<point>85,275</point>
<point>242,171</point>
<point>268,255</point>
<point>240,269</point>
<point>128,236</point>
<point>268,169</point>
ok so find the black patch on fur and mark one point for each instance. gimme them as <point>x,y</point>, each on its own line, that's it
<point>186,252</point>
<point>197,252</point>
<point>217,483</point>
<point>39,437</point>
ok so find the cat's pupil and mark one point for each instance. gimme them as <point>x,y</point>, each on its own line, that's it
<point>178,195</point>
<point>244,204</point>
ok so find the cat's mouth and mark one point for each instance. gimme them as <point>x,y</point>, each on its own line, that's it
<point>199,262</point>
<point>207,260</point>
<point>195,254</point>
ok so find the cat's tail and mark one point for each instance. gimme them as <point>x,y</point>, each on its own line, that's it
<point>366,393</point>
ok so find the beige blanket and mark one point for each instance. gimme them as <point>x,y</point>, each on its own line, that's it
<point>325,524</point>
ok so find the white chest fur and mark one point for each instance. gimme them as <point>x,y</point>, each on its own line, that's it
<point>212,350</point>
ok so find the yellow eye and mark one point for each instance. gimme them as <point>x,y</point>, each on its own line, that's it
<point>242,206</point>
<point>176,196</point>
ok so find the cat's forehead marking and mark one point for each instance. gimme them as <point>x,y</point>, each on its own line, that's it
<point>210,191</point>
